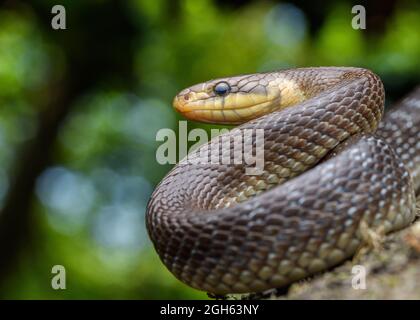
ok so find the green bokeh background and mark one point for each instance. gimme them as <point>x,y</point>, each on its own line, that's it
<point>112,74</point>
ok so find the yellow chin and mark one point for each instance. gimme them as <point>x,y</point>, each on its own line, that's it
<point>229,115</point>
<point>233,109</point>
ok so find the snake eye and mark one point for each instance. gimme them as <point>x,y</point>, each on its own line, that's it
<point>222,88</point>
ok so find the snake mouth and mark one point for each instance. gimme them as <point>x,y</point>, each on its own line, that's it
<point>231,109</point>
<point>231,115</point>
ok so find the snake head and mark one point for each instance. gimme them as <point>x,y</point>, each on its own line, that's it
<point>232,100</point>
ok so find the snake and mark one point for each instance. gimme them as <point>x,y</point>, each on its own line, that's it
<point>335,165</point>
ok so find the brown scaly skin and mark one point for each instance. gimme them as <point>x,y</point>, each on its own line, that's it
<point>222,231</point>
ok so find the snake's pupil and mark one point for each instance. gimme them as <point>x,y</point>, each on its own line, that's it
<point>222,88</point>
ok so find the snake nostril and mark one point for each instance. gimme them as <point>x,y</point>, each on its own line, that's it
<point>186,96</point>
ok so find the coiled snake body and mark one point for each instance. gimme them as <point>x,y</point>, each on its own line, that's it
<point>330,166</point>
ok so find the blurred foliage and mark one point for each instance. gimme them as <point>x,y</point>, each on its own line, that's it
<point>89,206</point>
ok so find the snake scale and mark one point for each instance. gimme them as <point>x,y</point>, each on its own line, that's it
<point>330,166</point>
